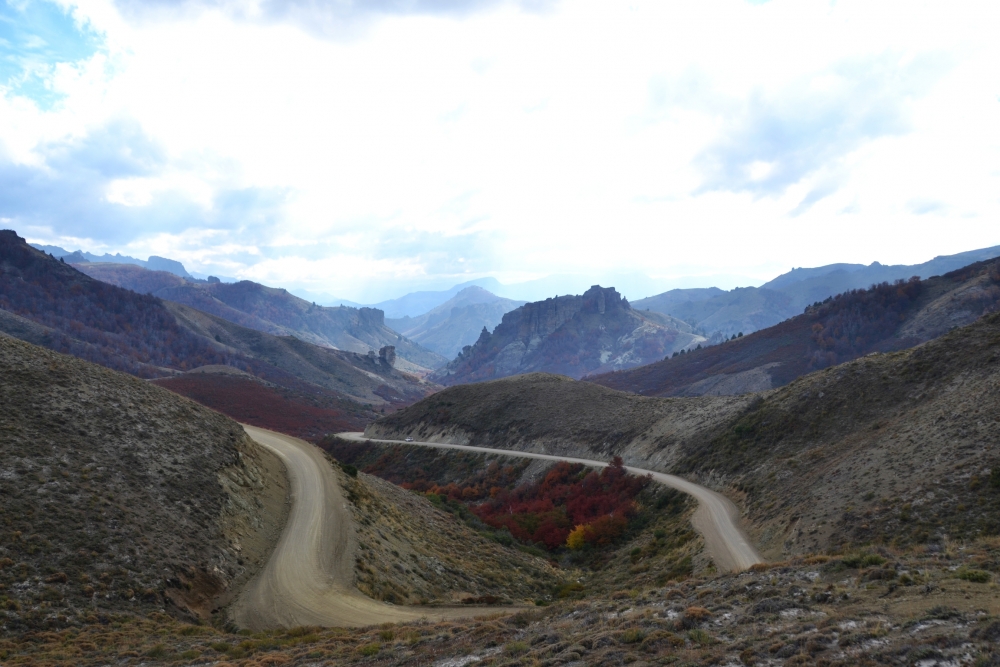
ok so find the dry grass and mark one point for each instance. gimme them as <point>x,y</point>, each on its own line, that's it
<point>814,614</point>
<point>410,552</point>
<point>118,496</point>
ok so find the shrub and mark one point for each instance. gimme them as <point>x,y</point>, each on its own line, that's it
<point>701,637</point>
<point>349,469</point>
<point>576,538</point>
<point>862,560</point>
<point>516,648</point>
<point>369,649</point>
<point>633,636</point>
<point>975,576</point>
<point>157,651</point>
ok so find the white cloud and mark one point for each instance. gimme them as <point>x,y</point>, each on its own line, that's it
<point>711,137</point>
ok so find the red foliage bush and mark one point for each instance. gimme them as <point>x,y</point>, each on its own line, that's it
<point>569,495</point>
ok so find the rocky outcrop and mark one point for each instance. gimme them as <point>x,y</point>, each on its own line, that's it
<point>388,354</point>
<point>570,335</point>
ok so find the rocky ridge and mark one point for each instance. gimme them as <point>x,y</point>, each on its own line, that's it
<point>570,335</point>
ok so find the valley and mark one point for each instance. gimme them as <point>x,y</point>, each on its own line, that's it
<point>820,491</point>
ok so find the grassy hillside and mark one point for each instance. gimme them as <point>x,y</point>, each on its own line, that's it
<point>296,364</point>
<point>881,319</point>
<point>888,449</point>
<point>121,497</point>
<point>554,414</point>
<point>413,552</point>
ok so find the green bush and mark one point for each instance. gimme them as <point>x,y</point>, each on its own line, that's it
<point>633,636</point>
<point>369,649</point>
<point>157,651</point>
<point>516,648</point>
<point>975,576</point>
<point>701,637</point>
<point>349,469</point>
<point>862,560</point>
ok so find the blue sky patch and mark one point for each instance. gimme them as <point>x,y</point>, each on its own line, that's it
<point>35,35</point>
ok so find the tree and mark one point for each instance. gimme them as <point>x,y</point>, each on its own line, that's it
<point>577,537</point>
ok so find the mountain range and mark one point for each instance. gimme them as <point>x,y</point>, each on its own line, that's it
<point>234,368</point>
<point>572,335</point>
<point>883,318</point>
<point>274,311</point>
<point>718,314</point>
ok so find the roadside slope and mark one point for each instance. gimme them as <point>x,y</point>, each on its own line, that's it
<point>717,518</point>
<point>310,578</point>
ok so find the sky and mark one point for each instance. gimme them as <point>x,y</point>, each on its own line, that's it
<point>368,149</point>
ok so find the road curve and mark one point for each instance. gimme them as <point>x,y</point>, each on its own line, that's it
<point>309,579</point>
<point>716,519</point>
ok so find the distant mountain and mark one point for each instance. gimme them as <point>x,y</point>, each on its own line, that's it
<point>570,335</point>
<point>719,315</point>
<point>154,263</point>
<point>274,311</point>
<point>49,303</point>
<point>457,322</point>
<point>415,304</point>
<point>884,318</point>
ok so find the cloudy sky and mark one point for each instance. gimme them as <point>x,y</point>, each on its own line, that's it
<point>365,149</point>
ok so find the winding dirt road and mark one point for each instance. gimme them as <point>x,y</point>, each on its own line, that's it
<point>716,519</point>
<point>309,579</point>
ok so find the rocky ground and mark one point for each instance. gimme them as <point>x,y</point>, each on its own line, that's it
<point>874,607</point>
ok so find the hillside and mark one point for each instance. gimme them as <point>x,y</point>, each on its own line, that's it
<point>288,361</point>
<point>571,335</point>
<point>718,314</point>
<point>49,303</point>
<point>554,414</point>
<point>884,318</point>
<point>93,320</point>
<point>306,414</point>
<point>119,496</point>
<point>274,311</point>
<point>890,448</point>
<point>457,322</point>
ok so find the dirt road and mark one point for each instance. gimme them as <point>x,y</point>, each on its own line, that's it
<point>309,579</point>
<point>716,519</point>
